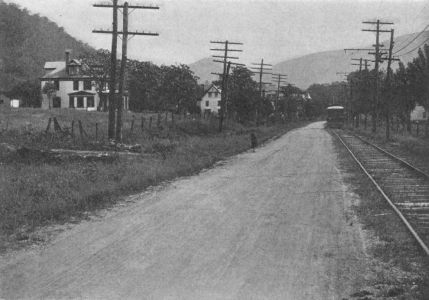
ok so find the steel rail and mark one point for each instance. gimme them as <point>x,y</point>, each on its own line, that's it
<point>421,172</point>
<point>398,212</point>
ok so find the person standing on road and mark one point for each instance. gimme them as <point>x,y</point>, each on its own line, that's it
<point>253,141</point>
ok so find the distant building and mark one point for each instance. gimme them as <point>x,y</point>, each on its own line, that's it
<point>419,114</point>
<point>210,101</point>
<point>15,103</point>
<point>74,89</point>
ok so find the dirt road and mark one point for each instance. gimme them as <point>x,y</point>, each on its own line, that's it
<point>273,224</point>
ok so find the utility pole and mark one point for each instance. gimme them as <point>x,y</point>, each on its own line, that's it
<point>347,103</point>
<point>261,71</point>
<point>359,64</point>
<point>117,106</point>
<point>388,83</point>
<point>377,60</point>
<point>280,78</point>
<point>226,67</point>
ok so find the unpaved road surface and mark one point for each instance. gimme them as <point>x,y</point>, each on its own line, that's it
<point>273,224</point>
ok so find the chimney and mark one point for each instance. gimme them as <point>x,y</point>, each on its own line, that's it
<point>67,61</point>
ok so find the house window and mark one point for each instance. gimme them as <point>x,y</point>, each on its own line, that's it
<point>79,102</point>
<point>207,103</point>
<point>216,94</point>
<point>424,115</point>
<point>87,85</point>
<point>218,103</point>
<point>76,85</point>
<point>210,94</point>
<point>57,84</point>
<point>90,101</point>
<point>71,102</point>
<point>56,102</point>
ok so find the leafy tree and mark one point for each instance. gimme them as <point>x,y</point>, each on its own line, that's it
<point>50,90</point>
<point>243,94</point>
<point>97,66</point>
<point>179,90</point>
<point>28,91</point>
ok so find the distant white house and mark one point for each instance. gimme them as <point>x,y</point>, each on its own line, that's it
<point>419,114</point>
<point>210,101</point>
<point>74,89</point>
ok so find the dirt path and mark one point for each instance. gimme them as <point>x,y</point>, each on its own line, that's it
<point>267,225</point>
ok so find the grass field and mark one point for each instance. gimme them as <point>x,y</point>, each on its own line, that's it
<point>35,193</point>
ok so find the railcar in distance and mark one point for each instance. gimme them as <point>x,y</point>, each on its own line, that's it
<point>335,116</point>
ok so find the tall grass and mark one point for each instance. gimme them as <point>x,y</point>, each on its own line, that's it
<point>36,193</point>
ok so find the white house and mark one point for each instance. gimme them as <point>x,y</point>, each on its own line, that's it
<point>419,114</point>
<point>210,101</point>
<point>74,89</point>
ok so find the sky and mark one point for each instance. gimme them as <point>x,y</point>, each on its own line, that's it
<point>274,30</point>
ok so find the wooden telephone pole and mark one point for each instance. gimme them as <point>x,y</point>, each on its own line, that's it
<point>377,59</point>
<point>279,78</point>
<point>260,70</point>
<point>117,106</point>
<point>388,83</point>
<point>226,61</point>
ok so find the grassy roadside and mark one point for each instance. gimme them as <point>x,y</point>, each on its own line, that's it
<point>38,193</point>
<point>400,267</point>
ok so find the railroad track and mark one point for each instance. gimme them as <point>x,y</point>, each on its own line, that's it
<point>404,187</point>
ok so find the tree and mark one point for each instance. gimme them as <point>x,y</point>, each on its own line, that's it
<point>28,91</point>
<point>50,90</point>
<point>243,94</point>
<point>97,66</point>
<point>179,90</point>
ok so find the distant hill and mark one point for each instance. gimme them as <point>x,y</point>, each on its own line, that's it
<point>321,67</point>
<point>27,42</point>
<point>203,68</point>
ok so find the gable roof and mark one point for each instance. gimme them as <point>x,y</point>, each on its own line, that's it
<point>57,70</point>
<point>210,87</point>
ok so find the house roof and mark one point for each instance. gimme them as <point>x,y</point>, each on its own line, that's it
<point>57,70</point>
<point>81,93</point>
<point>209,88</point>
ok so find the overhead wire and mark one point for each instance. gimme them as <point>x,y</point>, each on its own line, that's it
<point>424,42</point>
<point>416,37</point>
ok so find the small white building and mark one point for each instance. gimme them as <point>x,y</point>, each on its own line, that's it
<point>419,114</point>
<point>210,102</point>
<point>15,103</point>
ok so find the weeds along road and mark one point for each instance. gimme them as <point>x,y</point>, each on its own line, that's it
<point>266,225</point>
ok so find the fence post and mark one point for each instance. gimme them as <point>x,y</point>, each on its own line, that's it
<point>418,128</point>
<point>132,124</point>
<point>158,122</point>
<point>166,118</point>
<point>142,124</point>
<point>49,125</point>
<point>96,132</point>
<point>150,122</point>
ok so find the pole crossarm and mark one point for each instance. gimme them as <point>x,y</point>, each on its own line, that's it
<point>223,42</point>
<point>108,5</point>
<point>229,50</point>
<point>232,63</point>
<point>128,32</point>
<point>229,57</point>
<point>375,30</point>
<point>378,22</point>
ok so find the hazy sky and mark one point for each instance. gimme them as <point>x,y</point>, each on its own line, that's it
<point>273,30</point>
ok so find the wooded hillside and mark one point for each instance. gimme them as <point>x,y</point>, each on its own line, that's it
<point>27,41</point>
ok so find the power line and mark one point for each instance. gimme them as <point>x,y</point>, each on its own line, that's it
<point>416,37</point>
<point>399,55</point>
